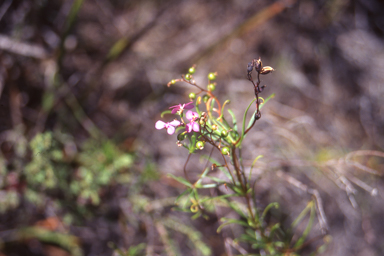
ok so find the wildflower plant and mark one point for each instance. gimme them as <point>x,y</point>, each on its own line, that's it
<point>207,125</point>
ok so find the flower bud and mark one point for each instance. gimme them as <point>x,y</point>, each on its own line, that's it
<point>205,98</point>
<point>188,76</point>
<point>224,133</point>
<point>211,76</point>
<point>200,145</point>
<point>181,136</point>
<point>214,127</point>
<point>192,95</point>
<point>225,151</point>
<point>211,87</point>
<point>266,70</point>
<point>191,70</point>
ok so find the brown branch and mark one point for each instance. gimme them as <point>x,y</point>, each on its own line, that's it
<point>319,203</point>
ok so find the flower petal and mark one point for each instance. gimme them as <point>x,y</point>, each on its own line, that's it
<point>160,125</point>
<point>195,126</point>
<point>189,115</point>
<point>188,105</point>
<point>170,129</point>
<point>188,127</point>
<point>176,106</point>
<point>174,111</point>
<point>175,123</point>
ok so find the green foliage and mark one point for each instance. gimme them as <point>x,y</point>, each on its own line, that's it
<point>82,176</point>
<point>65,241</point>
<point>193,235</point>
<point>135,250</point>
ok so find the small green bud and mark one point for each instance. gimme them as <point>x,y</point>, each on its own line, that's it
<point>211,76</point>
<point>192,95</point>
<point>200,145</point>
<point>188,76</point>
<point>211,87</point>
<point>224,133</point>
<point>205,98</point>
<point>173,81</point>
<point>191,70</point>
<point>181,136</point>
<point>214,127</point>
<point>225,151</point>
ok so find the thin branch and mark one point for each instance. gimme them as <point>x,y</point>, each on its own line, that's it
<point>319,203</point>
<point>25,49</point>
<point>4,8</point>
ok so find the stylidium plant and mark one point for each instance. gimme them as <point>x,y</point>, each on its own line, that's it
<point>207,125</point>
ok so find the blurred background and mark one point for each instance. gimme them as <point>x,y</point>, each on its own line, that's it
<point>82,83</point>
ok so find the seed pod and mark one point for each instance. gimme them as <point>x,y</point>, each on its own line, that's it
<point>258,65</point>
<point>266,70</point>
<point>250,67</point>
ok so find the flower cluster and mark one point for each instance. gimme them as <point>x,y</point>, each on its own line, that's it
<point>191,116</point>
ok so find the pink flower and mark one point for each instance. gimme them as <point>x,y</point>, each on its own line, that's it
<point>180,108</point>
<point>170,126</point>
<point>192,116</point>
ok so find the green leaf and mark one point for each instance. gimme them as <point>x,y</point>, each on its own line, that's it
<point>301,215</point>
<point>236,207</point>
<point>222,109</point>
<point>117,48</point>
<point>182,194</point>
<point>247,238</point>
<point>233,119</point>
<point>221,168</point>
<point>165,112</point>
<point>203,175</point>
<point>196,215</point>
<point>276,205</point>
<point>181,180</point>
<point>68,242</point>
<point>228,221</point>
<point>216,198</point>
<point>267,99</point>
<point>213,185</point>
<point>238,190</point>
<point>244,118</point>
<point>217,179</point>
<point>123,161</point>
<point>261,105</point>
<point>273,229</point>
<point>253,164</point>
<point>301,240</point>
